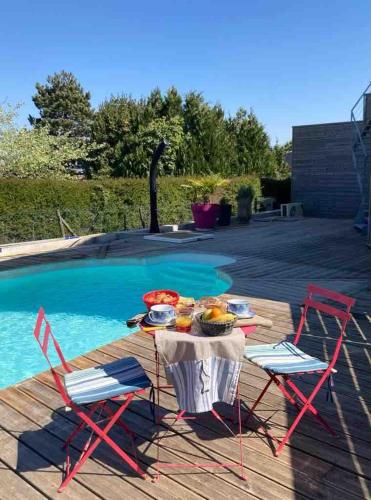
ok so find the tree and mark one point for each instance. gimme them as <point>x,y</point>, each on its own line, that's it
<point>282,168</point>
<point>36,153</point>
<point>253,149</point>
<point>172,103</point>
<point>208,146</point>
<point>149,136</point>
<point>202,139</point>
<point>63,105</point>
<point>130,130</point>
<point>116,127</point>
<point>8,114</point>
<point>154,105</point>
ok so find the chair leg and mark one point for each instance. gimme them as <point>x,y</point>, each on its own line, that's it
<point>79,427</point>
<point>311,408</point>
<point>102,435</point>
<point>251,411</point>
<point>307,405</point>
<point>121,423</point>
<point>291,430</point>
<point>284,391</point>
<point>243,476</point>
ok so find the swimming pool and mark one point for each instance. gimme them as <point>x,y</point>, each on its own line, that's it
<point>88,301</point>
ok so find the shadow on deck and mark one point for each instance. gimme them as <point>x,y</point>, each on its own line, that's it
<point>273,265</point>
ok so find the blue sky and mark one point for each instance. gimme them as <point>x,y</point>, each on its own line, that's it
<point>293,62</point>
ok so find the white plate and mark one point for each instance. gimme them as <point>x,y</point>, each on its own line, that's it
<point>242,316</point>
<point>149,322</point>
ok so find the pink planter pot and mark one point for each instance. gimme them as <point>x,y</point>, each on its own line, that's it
<point>205,215</point>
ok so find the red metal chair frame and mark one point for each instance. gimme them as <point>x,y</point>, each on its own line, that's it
<point>85,414</point>
<point>303,403</point>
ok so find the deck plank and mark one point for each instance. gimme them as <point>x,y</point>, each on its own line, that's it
<point>14,486</point>
<point>274,261</point>
<point>107,475</point>
<point>83,364</point>
<point>256,480</point>
<point>37,470</point>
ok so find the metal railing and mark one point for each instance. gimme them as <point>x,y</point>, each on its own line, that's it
<point>359,152</point>
<point>31,225</point>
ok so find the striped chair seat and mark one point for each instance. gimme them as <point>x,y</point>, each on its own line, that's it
<point>283,358</point>
<point>106,381</point>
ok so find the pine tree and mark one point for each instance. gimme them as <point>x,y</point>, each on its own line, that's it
<point>63,105</point>
<point>252,144</point>
<point>172,103</point>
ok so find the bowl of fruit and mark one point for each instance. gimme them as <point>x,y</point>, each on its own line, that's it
<point>215,321</point>
<point>155,297</point>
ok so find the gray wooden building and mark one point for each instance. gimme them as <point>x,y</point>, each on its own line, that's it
<point>331,165</point>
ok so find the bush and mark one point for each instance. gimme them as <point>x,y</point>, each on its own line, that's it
<point>28,208</point>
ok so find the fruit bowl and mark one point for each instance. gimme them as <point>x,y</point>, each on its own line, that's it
<point>214,328</point>
<point>156,297</point>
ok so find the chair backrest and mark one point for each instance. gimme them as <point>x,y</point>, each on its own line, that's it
<point>43,333</point>
<point>313,301</point>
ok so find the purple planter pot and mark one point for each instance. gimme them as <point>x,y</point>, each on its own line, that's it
<point>205,215</point>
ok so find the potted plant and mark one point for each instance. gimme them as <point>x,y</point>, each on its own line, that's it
<point>245,198</point>
<point>204,211</point>
<point>225,212</point>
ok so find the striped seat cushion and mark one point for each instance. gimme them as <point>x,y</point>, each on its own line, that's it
<point>106,381</point>
<point>283,357</point>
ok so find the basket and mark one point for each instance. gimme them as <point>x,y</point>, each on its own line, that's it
<point>214,329</point>
<point>149,298</point>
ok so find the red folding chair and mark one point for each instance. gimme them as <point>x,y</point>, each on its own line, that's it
<point>88,392</point>
<point>283,360</point>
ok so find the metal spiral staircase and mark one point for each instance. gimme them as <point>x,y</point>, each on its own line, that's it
<point>361,153</point>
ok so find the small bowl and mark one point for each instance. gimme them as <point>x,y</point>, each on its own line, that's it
<point>149,298</point>
<point>214,328</point>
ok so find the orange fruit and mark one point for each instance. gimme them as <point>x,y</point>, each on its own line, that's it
<point>215,313</point>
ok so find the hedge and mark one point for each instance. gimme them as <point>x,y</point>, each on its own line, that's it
<point>28,208</point>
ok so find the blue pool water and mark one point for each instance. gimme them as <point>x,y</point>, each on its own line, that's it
<point>88,301</point>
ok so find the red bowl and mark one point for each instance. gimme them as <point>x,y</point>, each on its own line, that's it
<point>152,298</point>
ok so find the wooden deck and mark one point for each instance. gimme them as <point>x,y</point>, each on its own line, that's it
<point>274,261</point>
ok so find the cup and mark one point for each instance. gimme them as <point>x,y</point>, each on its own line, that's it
<point>162,314</point>
<point>240,307</point>
<point>183,322</point>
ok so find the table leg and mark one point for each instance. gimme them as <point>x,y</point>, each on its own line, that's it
<point>157,410</point>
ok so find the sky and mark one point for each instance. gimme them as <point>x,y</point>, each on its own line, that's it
<point>293,62</point>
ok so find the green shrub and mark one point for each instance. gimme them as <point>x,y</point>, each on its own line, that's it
<point>28,208</point>
<point>245,192</point>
